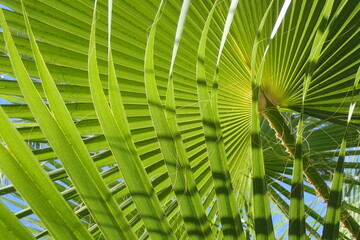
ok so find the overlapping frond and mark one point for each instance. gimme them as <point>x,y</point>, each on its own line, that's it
<point>145,119</point>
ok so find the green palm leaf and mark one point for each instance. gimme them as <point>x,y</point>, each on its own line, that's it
<point>168,119</point>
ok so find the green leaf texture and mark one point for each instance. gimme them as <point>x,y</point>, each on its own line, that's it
<point>179,119</point>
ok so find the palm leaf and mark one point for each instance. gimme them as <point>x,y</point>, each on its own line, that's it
<point>144,115</point>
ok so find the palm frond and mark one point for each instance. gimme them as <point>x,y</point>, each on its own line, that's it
<point>168,119</point>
